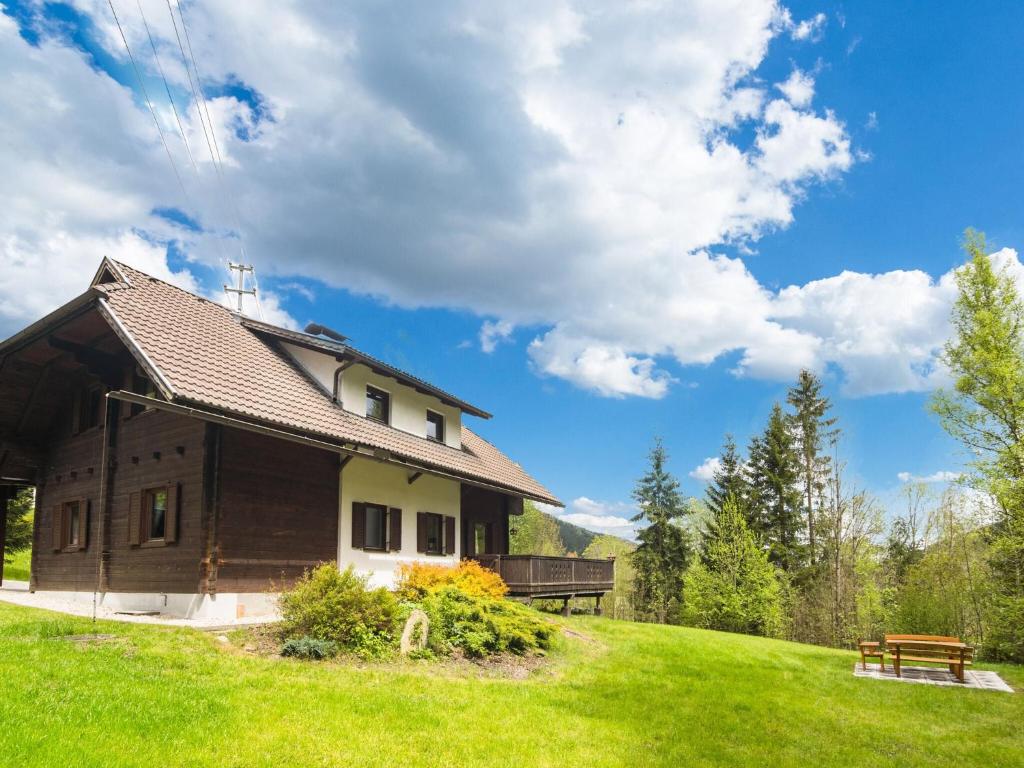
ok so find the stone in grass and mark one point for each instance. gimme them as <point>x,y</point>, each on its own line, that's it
<point>414,636</point>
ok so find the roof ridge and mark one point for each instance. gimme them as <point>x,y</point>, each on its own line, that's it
<point>187,292</point>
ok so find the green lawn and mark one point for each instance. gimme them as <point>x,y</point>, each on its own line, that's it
<point>627,695</point>
<point>18,568</point>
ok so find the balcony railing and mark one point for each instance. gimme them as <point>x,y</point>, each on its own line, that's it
<point>544,576</point>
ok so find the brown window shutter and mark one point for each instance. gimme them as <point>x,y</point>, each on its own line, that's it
<point>358,525</point>
<point>134,519</point>
<point>83,523</point>
<point>395,521</point>
<point>421,531</point>
<point>171,521</point>
<point>449,535</point>
<point>58,527</point>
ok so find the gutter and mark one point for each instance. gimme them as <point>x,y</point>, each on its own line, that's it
<point>374,455</point>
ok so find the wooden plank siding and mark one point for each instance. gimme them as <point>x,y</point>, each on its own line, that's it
<point>73,472</point>
<point>156,449</point>
<point>278,511</point>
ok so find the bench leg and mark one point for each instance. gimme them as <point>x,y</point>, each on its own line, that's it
<point>863,662</point>
<point>896,664</point>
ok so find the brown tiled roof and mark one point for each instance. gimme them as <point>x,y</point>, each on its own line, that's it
<point>206,356</point>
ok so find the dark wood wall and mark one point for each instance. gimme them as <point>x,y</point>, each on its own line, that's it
<point>278,511</point>
<point>157,449</point>
<point>150,449</point>
<point>481,505</point>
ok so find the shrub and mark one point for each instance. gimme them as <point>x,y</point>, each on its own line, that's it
<point>309,648</point>
<point>338,606</point>
<point>481,625</point>
<point>417,580</point>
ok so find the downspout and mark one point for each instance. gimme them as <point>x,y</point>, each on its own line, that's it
<point>102,535</point>
<point>336,396</point>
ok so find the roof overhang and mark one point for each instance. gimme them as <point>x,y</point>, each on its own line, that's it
<point>76,306</point>
<point>318,441</point>
<point>342,351</point>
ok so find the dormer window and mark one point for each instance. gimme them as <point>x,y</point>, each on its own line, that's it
<point>378,405</point>
<point>435,427</point>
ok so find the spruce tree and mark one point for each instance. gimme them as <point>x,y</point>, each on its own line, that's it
<point>662,553</point>
<point>773,474</point>
<point>811,429</point>
<point>734,588</point>
<point>729,480</point>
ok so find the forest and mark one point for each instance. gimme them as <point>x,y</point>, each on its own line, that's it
<point>783,545</point>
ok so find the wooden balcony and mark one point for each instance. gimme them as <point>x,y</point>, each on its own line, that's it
<point>541,576</point>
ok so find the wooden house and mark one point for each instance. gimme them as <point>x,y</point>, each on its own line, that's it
<point>193,461</point>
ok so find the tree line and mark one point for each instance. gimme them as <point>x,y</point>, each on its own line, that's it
<point>783,545</point>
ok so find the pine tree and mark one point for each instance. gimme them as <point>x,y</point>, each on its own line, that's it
<point>773,474</point>
<point>735,588</point>
<point>811,428</point>
<point>19,522</point>
<point>729,480</point>
<point>661,556</point>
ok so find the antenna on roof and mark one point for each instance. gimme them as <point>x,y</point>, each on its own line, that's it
<point>241,290</point>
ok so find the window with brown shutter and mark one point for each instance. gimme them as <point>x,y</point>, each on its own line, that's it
<point>395,522</point>
<point>435,534</point>
<point>449,535</point>
<point>358,524</point>
<point>70,523</point>
<point>376,527</point>
<point>153,515</point>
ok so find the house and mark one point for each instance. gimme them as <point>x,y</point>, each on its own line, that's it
<point>191,460</point>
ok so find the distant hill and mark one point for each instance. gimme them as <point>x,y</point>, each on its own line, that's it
<point>576,539</point>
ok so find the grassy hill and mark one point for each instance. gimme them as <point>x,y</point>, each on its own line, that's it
<point>612,694</point>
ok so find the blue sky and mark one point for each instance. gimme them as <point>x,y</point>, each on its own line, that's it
<point>663,213</point>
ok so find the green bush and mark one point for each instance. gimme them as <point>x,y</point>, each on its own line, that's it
<point>340,607</point>
<point>481,626</point>
<point>309,648</point>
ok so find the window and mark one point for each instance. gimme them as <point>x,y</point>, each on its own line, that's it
<point>141,385</point>
<point>88,411</point>
<point>376,536</point>
<point>73,514</point>
<point>155,513</point>
<point>378,404</point>
<point>376,527</point>
<point>435,427</point>
<point>435,535</point>
<point>480,531</point>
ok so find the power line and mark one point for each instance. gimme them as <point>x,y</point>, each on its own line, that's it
<point>201,108</point>
<point>170,98</point>
<point>149,103</point>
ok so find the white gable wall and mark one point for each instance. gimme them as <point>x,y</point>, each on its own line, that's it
<point>408,407</point>
<point>365,480</point>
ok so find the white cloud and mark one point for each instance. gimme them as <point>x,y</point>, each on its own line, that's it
<point>942,476</point>
<point>599,516</point>
<point>798,88</point>
<point>478,157</point>
<point>812,29</point>
<point>872,122</point>
<point>705,472</point>
<point>493,333</point>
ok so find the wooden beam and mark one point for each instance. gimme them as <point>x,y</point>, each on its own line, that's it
<point>343,461</point>
<point>34,395</point>
<point>101,364</point>
<point>413,477</point>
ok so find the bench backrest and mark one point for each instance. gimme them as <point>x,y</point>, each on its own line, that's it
<point>925,638</point>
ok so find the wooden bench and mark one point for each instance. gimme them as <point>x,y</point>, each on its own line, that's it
<point>870,650</point>
<point>930,649</point>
